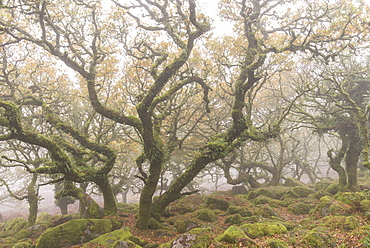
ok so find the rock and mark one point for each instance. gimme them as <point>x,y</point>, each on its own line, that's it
<point>117,239</point>
<point>261,199</point>
<point>322,185</point>
<point>27,243</point>
<point>183,226</point>
<point>318,237</point>
<point>276,243</point>
<point>78,231</point>
<point>154,224</point>
<point>207,215</point>
<point>330,206</point>
<point>232,209</point>
<point>195,238</point>
<point>239,190</point>
<point>300,208</point>
<point>302,191</point>
<point>234,235</point>
<point>292,182</point>
<point>340,222</point>
<point>365,205</point>
<point>215,202</point>
<point>22,234</point>
<point>333,188</point>
<point>273,192</point>
<point>266,212</point>
<point>255,230</point>
<point>235,219</point>
<point>185,205</point>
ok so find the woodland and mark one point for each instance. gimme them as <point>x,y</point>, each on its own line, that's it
<point>167,99</point>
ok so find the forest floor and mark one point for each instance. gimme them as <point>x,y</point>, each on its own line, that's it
<point>282,216</point>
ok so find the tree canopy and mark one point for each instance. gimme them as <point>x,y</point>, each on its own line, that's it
<point>150,84</point>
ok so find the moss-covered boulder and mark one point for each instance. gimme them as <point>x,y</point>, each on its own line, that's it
<point>43,217</point>
<point>290,194</point>
<point>113,239</point>
<point>74,232</point>
<point>232,209</point>
<point>239,190</point>
<point>333,188</point>
<point>235,219</point>
<point>195,238</point>
<point>365,205</point>
<point>351,197</point>
<point>207,215</point>
<point>184,225</point>
<point>292,182</point>
<point>261,199</point>
<point>273,192</point>
<point>300,208</point>
<point>23,234</point>
<point>323,184</point>
<point>124,208</point>
<point>340,222</point>
<point>185,205</point>
<point>319,238</point>
<point>266,212</point>
<point>14,225</point>
<point>25,243</point>
<point>330,206</point>
<point>216,201</point>
<point>276,243</point>
<point>234,235</point>
<point>255,230</point>
<point>302,191</point>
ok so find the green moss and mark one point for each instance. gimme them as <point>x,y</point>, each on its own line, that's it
<point>78,232</point>
<point>154,224</point>
<point>216,202</point>
<point>23,244</point>
<point>292,182</point>
<point>43,217</point>
<point>276,243</point>
<point>197,238</point>
<point>185,205</point>
<point>207,215</point>
<point>273,192</point>
<point>365,205</point>
<point>15,224</point>
<point>333,188</point>
<point>184,225</point>
<point>322,185</point>
<point>318,237</point>
<point>232,209</point>
<point>235,219</point>
<point>351,197</point>
<point>112,239</point>
<point>181,226</point>
<point>232,235</point>
<point>302,191</point>
<point>300,208</point>
<point>290,194</point>
<point>263,229</point>
<point>22,234</point>
<point>261,199</point>
<point>330,206</point>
